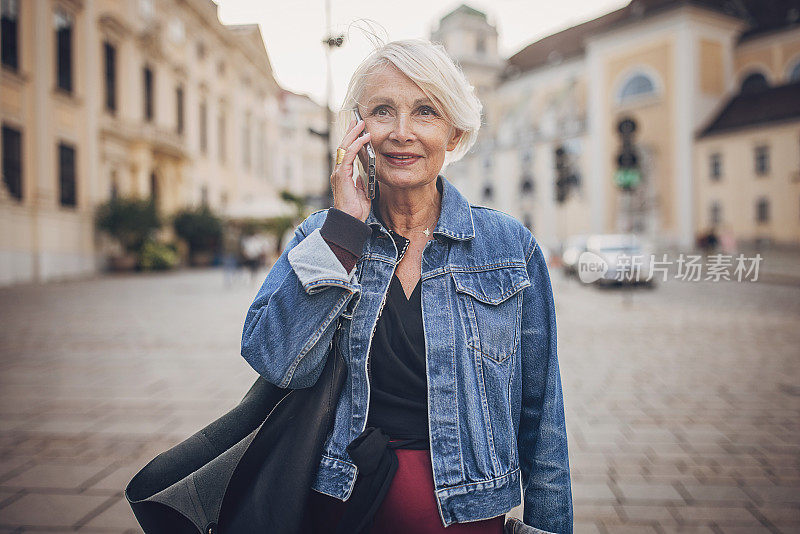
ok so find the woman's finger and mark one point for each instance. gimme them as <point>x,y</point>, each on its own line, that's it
<point>352,134</point>
<point>344,170</point>
<point>355,146</point>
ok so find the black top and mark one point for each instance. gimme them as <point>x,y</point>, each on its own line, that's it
<point>398,403</point>
<point>398,382</point>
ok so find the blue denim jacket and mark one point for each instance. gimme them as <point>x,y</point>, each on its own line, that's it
<point>495,407</point>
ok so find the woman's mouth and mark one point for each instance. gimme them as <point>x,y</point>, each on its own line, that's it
<point>401,160</point>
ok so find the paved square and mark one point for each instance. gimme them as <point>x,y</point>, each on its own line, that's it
<point>683,404</point>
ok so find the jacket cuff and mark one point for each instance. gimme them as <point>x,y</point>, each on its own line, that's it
<point>345,231</point>
<point>347,258</point>
<point>317,267</point>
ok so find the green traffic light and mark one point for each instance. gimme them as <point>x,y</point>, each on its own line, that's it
<point>627,178</point>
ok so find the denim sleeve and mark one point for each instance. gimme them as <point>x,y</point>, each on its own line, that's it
<point>290,324</point>
<point>542,439</point>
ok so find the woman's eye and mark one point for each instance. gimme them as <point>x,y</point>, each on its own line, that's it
<point>425,110</point>
<point>380,111</point>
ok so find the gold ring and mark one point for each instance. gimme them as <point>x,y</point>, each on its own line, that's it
<point>340,152</point>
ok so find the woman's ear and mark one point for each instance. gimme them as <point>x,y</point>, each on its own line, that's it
<point>454,139</point>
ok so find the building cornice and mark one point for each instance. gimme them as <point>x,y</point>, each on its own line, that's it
<point>74,6</point>
<point>769,39</point>
<point>114,26</point>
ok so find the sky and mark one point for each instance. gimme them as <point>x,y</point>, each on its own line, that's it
<point>293,30</point>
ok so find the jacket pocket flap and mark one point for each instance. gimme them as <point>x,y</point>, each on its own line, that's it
<point>492,286</point>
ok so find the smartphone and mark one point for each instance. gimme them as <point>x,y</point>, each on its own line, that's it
<point>371,162</point>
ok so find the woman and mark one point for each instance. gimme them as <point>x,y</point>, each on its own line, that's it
<point>445,317</point>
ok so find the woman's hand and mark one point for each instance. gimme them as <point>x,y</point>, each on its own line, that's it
<point>349,197</point>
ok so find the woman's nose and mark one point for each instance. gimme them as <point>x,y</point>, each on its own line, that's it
<point>402,129</point>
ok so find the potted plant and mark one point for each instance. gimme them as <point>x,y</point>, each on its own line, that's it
<point>157,256</point>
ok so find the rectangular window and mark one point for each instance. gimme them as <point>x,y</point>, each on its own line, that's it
<point>527,220</point>
<point>246,142</point>
<point>716,167</point>
<point>715,214</point>
<point>762,210</point>
<point>66,175</point>
<point>154,187</point>
<point>147,79</point>
<point>114,189</point>
<point>203,127</point>
<point>12,161</point>
<point>9,26</point>
<point>221,136</point>
<point>110,55</point>
<point>63,29</point>
<point>261,150</point>
<point>179,110</point>
<point>762,160</point>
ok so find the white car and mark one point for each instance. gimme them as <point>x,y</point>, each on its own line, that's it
<point>627,256</point>
<point>574,246</point>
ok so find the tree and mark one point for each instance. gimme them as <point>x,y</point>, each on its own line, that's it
<point>129,220</point>
<point>200,228</point>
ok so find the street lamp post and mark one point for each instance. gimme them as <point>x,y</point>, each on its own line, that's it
<point>330,42</point>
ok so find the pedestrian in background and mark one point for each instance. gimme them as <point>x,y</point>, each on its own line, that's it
<point>727,240</point>
<point>446,321</point>
<point>253,253</point>
<point>230,254</point>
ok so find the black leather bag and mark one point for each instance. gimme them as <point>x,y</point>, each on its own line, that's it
<point>251,470</point>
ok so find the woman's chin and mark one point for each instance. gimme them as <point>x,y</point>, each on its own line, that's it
<point>404,178</point>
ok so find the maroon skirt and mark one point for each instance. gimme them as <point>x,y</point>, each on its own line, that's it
<point>409,506</point>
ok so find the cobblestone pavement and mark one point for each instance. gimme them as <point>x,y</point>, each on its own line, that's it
<point>683,402</point>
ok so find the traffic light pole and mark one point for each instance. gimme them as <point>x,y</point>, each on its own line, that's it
<point>330,42</point>
<point>628,177</point>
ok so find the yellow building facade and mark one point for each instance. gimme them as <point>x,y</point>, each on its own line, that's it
<point>147,98</point>
<point>672,68</point>
<point>747,161</point>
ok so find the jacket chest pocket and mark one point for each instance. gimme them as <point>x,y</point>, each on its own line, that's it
<point>490,303</point>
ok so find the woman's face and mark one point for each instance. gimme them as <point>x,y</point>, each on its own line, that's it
<point>409,136</point>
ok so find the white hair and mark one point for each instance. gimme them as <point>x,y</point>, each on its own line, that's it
<point>437,75</point>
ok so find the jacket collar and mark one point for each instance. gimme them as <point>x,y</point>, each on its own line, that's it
<point>455,220</point>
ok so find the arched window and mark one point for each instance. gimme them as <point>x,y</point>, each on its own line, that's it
<point>636,86</point>
<point>794,73</point>
<point>754,83</point>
